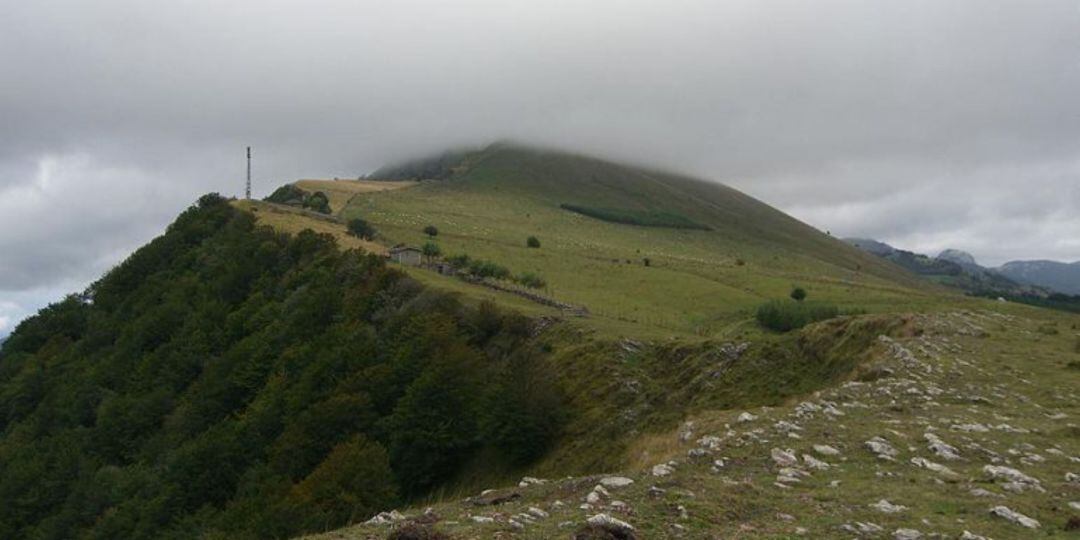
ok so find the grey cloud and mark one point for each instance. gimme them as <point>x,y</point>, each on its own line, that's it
<point>926,123</point>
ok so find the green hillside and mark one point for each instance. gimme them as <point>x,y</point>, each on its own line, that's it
<point>651,279</point>
<point>228,381</point>
<point>259,372</point>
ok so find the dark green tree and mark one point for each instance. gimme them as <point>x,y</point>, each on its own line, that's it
<point>353,483</point>
<point>361,229</point>
<point>798,294</point>
<point>430,250</point>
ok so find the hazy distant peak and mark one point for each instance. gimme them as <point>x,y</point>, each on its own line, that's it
<point>957,256</point>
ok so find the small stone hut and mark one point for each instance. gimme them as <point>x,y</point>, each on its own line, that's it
<point>407,255</point>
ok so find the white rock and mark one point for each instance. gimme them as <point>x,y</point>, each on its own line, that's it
<point>1010,474</point>
<point>385,517</point>
<point>483,519</point>
<point>1075,505</point>
<point>881,447</point>
<point>815,463</point>
<point>1014,516</point>
<point>980,492</point>
<point>786,426</point>
<point>887,507</point>
<point>789,475</point>
<point>784,458</point>
<point>826,450</point>
<point>538,512</point>
<point>746,417</point>
<point>862,527</point>
<point>712,442</point>
<point>968,535</point>
<point>662,469</point>
<point>906,534</point>
<point>1072,478</point>
<point>930,465</point>
<point>608,522</point>
<point>941,448</point>
<point>529,481</point>
<point>615,482</point>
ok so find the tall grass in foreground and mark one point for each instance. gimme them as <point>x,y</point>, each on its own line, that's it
<point>786,315</point>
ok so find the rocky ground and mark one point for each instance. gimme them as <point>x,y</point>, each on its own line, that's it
<point>968,426</point>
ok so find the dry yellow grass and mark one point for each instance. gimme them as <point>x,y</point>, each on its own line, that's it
<point>292,220</point>
<point>341,191</point>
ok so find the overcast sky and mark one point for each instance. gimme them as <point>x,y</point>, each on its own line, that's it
<point>927,124</point>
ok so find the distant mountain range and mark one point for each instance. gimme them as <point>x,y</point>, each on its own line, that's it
<point>1059,276</point>
<point>959,269</point>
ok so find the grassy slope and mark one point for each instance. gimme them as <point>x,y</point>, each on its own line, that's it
<point>1013,369</point>
<point>625,401</point>
<point>695,284</point>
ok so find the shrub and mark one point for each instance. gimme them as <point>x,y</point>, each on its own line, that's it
<point>783,316</point>
<point>798,294</point>
<point>287,194</point>
<point>416,531</point>
<point>532,242</point>
<point>531,280</point>
<point>485,269</point>
<point>318,202</point>
<point>459,261</point>
<point>361,229</point>
<point>431,231</point>
<point>646,261</point>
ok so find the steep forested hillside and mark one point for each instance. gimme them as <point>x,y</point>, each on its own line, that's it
<point>230,381</point>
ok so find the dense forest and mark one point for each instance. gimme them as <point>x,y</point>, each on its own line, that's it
<point>228,381</point>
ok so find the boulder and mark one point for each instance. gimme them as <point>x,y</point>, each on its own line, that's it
<point>1013,516</point>
<point>615,482</point>
<point>887,507</point>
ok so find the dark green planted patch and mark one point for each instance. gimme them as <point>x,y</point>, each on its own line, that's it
<point>785,315</point>
<point>650,218</point>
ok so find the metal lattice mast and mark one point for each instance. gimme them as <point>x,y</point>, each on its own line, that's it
<point>247,190</point>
